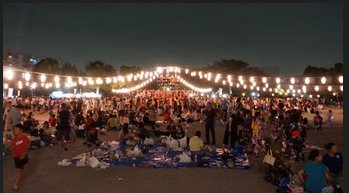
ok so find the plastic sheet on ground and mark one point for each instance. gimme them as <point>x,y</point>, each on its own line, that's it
<point>158,156</point>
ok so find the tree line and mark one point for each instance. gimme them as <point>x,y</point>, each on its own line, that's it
<point>230,66</point>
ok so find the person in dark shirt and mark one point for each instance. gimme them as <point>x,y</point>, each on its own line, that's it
<point>334,161</point>
<point>63,129</point>
<point>28,124</point>
<point>178,133</point>
<point>209,126</point>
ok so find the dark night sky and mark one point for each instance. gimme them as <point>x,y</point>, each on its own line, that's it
<point>290,36</point>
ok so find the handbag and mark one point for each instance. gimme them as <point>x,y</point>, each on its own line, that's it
<point>269,159</point>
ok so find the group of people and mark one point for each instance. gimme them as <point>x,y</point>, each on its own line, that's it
<point>139,115</point>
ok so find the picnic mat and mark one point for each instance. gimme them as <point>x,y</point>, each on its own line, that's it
<point>159,156</point>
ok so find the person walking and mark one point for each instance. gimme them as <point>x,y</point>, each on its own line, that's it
<point>19,147</point>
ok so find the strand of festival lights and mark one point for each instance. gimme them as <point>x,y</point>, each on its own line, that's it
<point>137,87</point>
<point>197,89</point>
<point>9,73</point>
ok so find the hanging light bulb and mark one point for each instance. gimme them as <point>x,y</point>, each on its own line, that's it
<point>56,79</point>
<point>341,88</point>
<point>316,88</point>
<point>229,78</point>
<point>340,79</point>
<point>291,87</point>
<point>264,80</point>
<point>323,80</point>
<point>80,80</point>
<point>5,86</point>
<point>264,89</point>
<point>329,88</point>
<point>307,80</point>
<point>304,89</point>
<point>27,76</point>
<point>223,82</point>
<point>69,79</point>
<point>254,83</point>
<point>20,86</point>
<point>9,74</point>
<point>43,77</point>
<point>293,80</point>
<point>266,85</point>
<point>277,80</point>
<point>57,85</point>
<point>251,79</point>
<point>108,80</point>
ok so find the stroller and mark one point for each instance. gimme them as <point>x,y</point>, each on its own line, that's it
<point>275,173</point>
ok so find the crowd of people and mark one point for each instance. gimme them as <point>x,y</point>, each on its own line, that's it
<point>247,120</point>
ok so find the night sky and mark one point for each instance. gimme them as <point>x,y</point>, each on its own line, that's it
<point>290,36</point>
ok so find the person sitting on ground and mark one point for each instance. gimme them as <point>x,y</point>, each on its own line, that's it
<point>112,123</point>
<point>28,124</point>
<point>147,121</point>
<point>167,117</point>
<point>124,134</point>
<point>142,132</point>
<point>196,144</point>
<point>52,120</point>
<point>334,162</point>
<point>178,133</point>
<point>315,175</point>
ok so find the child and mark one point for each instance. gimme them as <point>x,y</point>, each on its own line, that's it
<point>196,145</point>
<point>19,148</point>
<point>330,116</point>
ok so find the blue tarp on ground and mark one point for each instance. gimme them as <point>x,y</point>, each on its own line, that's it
<point>158,156</point>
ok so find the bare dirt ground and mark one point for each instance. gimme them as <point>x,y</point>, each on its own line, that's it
<point>43,175</point>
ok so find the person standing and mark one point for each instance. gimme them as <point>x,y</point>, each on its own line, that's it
<point>209,126</point>
<point>224,105</point>
<point>19,147</point>
<point>63,128</point>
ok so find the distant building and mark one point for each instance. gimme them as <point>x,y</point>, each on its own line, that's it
<point>19,60</point>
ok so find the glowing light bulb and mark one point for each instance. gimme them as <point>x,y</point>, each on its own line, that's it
<point>316,88</point>
<point>277,80</point>
<point>329,88</point>
<point>264,80</point>
<point>307,80</point>
<point>56,79</point>
<point>27,76</point>
<point>9,74</point>
<point>293,80</point>
<point>43,77</point>
<point>323,80</point>
<point>340,79</point>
